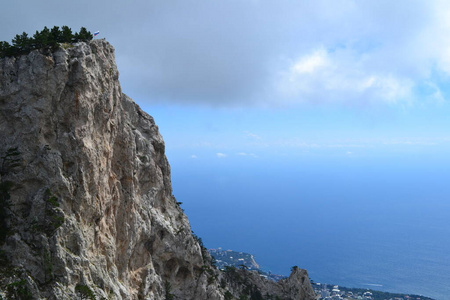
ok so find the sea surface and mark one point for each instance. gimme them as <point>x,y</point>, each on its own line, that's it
<point>381,223</point>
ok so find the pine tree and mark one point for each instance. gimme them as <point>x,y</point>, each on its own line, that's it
<point>5,49</point>
<point>56,34</point>
<point>46,38</point>
<point>22,43</point>
<point>84,35</point>
<point>67,35</point>
<point>41,38</point>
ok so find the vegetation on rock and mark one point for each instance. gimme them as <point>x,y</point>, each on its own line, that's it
<point>19,290</point>
<point>168,289</point>
<point>44,39</point>
<point>207,259</point>
<point>8,161</point>
<point>85,292</point>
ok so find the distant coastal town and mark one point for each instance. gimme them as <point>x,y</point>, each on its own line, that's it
<point>335,292</point>
<point>230,258</point>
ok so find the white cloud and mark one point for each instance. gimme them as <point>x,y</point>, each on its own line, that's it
<point>252,135</point>
<point>310,63</point>
<point>193,156</point>
<point>341,76</point>
<point>437,36</point>
<point>221,155</point>
<point>246,154</point>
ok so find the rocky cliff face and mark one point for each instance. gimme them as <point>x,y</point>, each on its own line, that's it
<point>86,205</point>
<point>243,282</point>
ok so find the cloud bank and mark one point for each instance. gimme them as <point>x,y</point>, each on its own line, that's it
<point>263,53</point>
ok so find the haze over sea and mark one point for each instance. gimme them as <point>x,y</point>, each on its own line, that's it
<point>381,223</point>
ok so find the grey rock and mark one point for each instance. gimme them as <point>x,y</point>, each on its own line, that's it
<point>86,199</point>
<point>255,286</point>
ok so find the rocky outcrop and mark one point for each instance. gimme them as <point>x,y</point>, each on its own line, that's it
<point>252,285</point>
<point>86,204</point>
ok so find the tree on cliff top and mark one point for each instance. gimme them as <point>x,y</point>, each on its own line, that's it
<point>46,38</point>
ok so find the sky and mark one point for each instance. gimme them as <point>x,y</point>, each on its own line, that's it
<point>248,76</point>
<point>253,78</point>
<point>255,84</point>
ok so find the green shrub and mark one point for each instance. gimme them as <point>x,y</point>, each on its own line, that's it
<point>10,160</point>
<point>228,296</point>
<point>51,199</point>
<point>19,290</point>
<point>85,292</point>
<point>4,206</point>
<point>168,294</point>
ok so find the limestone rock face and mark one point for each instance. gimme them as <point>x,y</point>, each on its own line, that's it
<point>250,283</point>
<point>86,204</point>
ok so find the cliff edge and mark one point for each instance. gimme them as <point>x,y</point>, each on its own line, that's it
<point>86,204</point>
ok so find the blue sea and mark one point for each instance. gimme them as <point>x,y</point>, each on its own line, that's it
<point>380,223</point>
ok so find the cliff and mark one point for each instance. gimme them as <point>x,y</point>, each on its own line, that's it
<point>86,204</point>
